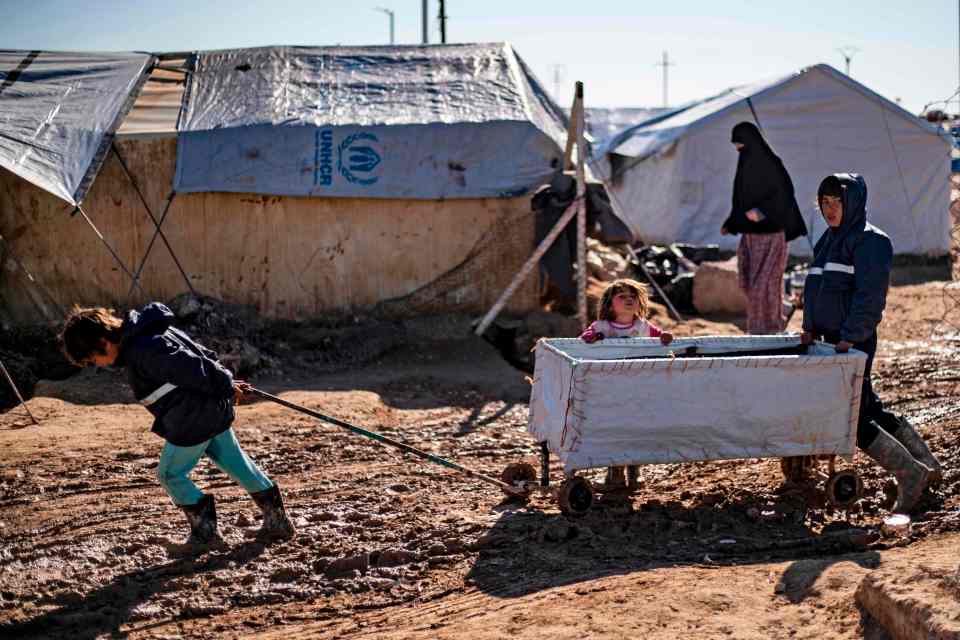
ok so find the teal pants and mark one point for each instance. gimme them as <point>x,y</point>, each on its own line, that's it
<point>176,463</point>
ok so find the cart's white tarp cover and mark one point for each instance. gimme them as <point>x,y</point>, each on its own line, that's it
<point>673,175</point>
<point>421,122</point>
<point>58,113</point>
<point>626,401</point>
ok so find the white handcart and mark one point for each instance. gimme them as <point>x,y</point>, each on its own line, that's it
<point>633,401</point>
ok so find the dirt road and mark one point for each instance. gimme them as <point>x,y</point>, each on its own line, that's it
<point>392,548</point>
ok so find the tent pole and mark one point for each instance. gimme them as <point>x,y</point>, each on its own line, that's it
<point>153,218</point>
<point>575,208</point>
<point>581,211</point>
<point>17,392</point>
<point>107,245</point>
<point>153,239</point>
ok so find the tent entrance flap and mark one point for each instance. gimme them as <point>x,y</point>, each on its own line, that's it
<point>60,111</point>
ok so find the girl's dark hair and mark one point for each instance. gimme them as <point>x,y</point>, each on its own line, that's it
<point>84,331</point>
<point>617,286</point>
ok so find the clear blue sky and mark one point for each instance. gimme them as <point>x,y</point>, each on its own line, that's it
<point>612,45</point>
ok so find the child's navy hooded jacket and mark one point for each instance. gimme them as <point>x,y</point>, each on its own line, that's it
<point>846,289</point>
<point>157,356</point>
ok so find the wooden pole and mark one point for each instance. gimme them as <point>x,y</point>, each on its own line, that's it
<point>17,392</point>
<point>574,134</point>
<point>527,267</point>
<point>581,202</point>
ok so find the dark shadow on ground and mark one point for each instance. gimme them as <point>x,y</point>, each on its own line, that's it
<point>103,611</point>
<point>528,550</point>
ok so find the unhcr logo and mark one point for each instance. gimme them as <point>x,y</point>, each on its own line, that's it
<point>358,158</point>
<point>323,158</point>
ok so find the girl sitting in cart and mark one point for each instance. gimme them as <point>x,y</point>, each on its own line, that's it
<point>623,314</point>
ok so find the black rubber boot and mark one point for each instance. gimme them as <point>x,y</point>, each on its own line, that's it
<point>276,524</point>
<point>202,518</point>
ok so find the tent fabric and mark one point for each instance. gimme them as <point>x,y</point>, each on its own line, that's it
<point>453,121</point>
<point>629,401</point>
<point>673,175</point>
<point>59,111</point>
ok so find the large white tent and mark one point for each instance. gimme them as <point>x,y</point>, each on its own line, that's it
<point>673,175</point>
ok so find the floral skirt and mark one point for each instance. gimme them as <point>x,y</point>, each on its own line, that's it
<point>761,260</point>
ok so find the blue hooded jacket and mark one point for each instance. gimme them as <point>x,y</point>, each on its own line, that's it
<point>157,356</point>
<point>846,288</point>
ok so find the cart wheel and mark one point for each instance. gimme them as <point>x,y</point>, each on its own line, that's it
<point>844,488</point>
<point>798,469</point>
<point>518,472</point>
<point>575,497</point>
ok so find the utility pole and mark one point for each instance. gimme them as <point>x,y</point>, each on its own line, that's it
<point>665,64</point>
<point>558,71</point>
<point>425,21</point>
<point>848,53</point>
<point>443,22</point>
<point>389,15</point>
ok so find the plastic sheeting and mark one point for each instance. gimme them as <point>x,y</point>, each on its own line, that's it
<point>58,113</point>
<point>628,401</point>
<point>673,175</point>
<point>454,121</point>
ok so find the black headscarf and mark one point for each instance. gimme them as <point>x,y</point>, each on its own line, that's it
<point>762,182</point>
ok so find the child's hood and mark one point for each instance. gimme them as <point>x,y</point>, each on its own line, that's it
<point>153,319</point>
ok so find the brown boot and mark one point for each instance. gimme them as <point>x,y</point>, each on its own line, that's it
<point>911,475</point>
<point>276,524</point>
<point>913,442</point>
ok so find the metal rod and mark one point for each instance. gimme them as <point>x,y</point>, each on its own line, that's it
<point>388,441</point>
<point>544,465</point>
<point>153,218</point>
<point>146,254</point>
<point>17,392</point>
<point>109,248</point>
<point>643,267</point>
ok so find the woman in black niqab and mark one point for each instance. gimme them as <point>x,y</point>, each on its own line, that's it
<point>765,212</point>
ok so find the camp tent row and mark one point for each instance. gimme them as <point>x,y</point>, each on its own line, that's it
<point>296,179</point>
<point>302,180</point>
<point>673,174</point>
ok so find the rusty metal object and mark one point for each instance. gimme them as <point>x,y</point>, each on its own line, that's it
<point>517,475</point>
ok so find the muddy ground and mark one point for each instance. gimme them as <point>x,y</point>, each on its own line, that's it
<point>389,547</point>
